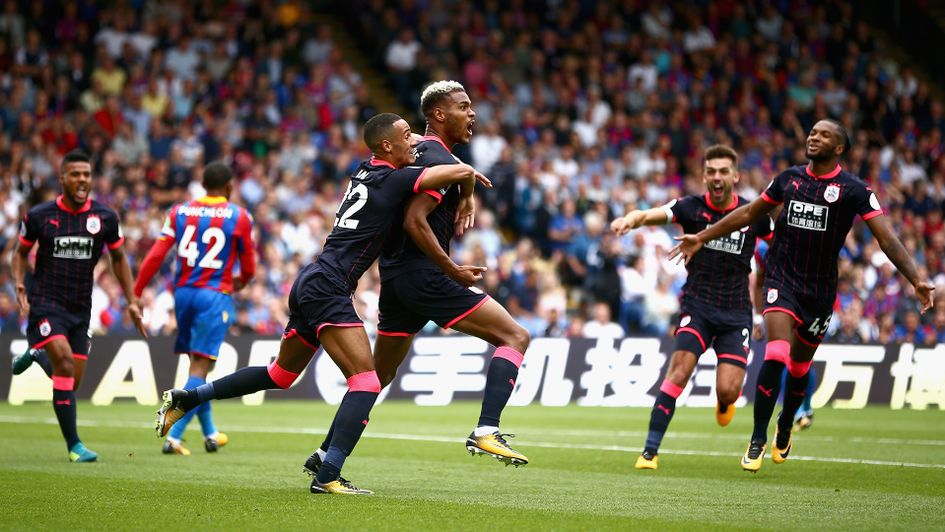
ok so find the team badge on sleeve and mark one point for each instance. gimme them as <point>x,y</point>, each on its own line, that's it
<point>93,224</point>
<point>874,202</point>
<point>685,320</point>
<point>45,328</point>
<point>832,193</point>
<point>772,295</point>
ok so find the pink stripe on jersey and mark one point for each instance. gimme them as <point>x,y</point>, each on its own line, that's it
<point>509,354</point>
<point>65,384</point>
<point>766,197</point>
<point>364,382</point>
<point>416,184</point>
<point>671,389</point>
<point>282,377</point>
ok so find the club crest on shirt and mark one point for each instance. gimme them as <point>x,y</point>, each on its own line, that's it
<point>45,328</point>
<point>93,224</point>
<point>772,295</point>
<point>832,193</point>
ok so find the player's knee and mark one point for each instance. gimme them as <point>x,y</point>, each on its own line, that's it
<point>678,376</point>
<point>65,367</point>
<point>386,377</point>
<point>728,394</point>
<point>518,339</point>
<point>366,381</point>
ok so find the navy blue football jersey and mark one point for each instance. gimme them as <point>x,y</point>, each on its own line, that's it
<point>401,254</point>
<point>718,274</point>
<point>70,245</point>
<point>370,205</point>
<point>817,215</point>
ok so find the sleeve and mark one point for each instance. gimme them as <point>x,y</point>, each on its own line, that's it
<point>432,153</point>
<point>246,246</point>
<point>29,232</point>
<point>113,235</point>
<point>866,203</point>
<point>152,263</point>
<point>169,229</point>
<point>764,228</point>
<point>774,194</point>
<point>413,177</point>
<point>674,211</point>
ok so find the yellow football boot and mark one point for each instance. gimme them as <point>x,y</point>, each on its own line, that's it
<point>170,411</point>
<point>724,418</point>
<point>754,455</point>
<point>213,443</point>
<point>780,454</point>
<point>647,460</point>
<point>495,446</point>
<point>338,487</point>
<point>174,448</point>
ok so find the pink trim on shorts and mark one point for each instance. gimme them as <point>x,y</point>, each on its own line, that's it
<point>64,384</point>
<point>295,333</point>
<point>50,339</point>
<point>799,337</point>
<point>318,332</point>
<point>671,389</point>
<point>459,318</point>
<point>693,332</point>
<point>364,382</point>
<point>385,333</point>
<point>731,356</point>
<point>784,310</point>
<point>509,354</point>
<point>282,377</point>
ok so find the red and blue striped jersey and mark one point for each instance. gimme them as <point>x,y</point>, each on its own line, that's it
<point>211,235</point>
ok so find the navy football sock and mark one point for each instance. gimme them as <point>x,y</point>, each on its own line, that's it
<point>241,382</point>
<point>64,406</point>
<point>500,381</point>
<point>331,432</point>
<point>795,392</point>
<point>662,414</point>
<point>350,421</point>
<point>766,397</point>
<point>40,357</point>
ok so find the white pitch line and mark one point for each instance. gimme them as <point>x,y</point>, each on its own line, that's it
<point>454,440</point>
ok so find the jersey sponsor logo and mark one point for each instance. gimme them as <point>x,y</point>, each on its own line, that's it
<point>205,211</point>
<point>45,328</point>
<point>730,243</point>
<point>72,247</point>
<point>93,224</point>
<point>772,295</point>
<point>807,215</point>
<point>832,193</point>
<point>874,202</point>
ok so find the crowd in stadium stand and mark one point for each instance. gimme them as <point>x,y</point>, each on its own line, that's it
<point>582,114</point>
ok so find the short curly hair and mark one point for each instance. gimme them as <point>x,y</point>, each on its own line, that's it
<point>434,93</point>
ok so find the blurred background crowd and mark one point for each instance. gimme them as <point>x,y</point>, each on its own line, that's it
<point>585,110</point>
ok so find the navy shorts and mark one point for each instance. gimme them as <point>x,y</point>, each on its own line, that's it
<point>410,300</point>
<point>316,301</point>
<point>46,324</point>
<point>203,318</point>
<point>811,316</point>
<point>727,331</point>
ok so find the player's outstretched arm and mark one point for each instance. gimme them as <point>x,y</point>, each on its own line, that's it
<point>689,245</point>
<point>444,175</point>
<point>122,270</point>
<point>636,218</point>
<point>416,225</point>
<point>894,249</point>
<point>18,265</point>
<point>152,263</point>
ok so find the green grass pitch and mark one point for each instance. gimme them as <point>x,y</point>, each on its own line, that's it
<point>868,469</point>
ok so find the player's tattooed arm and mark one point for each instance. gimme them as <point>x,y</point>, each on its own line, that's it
<point>416,225</point>
<point>894,249</point>
<point>122,270</point>
<point>689,245</point>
